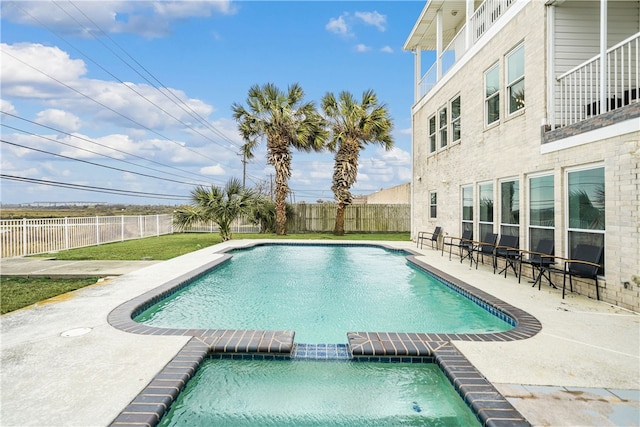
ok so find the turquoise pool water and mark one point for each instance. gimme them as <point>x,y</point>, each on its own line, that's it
<point>321,293</point>
<point>318,393</point>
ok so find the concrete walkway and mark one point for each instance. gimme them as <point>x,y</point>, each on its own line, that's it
<point>63,365</point>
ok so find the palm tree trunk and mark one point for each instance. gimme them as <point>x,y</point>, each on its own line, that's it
<point>281,163</point>
<point>338,229</point>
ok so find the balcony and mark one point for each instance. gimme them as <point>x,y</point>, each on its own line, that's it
<point>448,22</point>
<point>591,89</point>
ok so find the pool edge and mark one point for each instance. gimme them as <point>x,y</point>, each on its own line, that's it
<point>490,407</point>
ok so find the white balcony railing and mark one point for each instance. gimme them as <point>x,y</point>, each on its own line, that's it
<point>483,18</point>
<point>579,89</point>
<point>486,15</point>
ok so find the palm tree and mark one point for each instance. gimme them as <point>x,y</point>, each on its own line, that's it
<point>220,205</point>
<point>286,121</point>
<point>353,125</point>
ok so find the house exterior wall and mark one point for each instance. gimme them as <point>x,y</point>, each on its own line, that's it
<point>513,149</point>
<point>398,195</point>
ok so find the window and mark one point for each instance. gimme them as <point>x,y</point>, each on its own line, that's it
<point>433,204</point>
<point>432,134</point>
<point>442,121</point>
<point>485,199</point>
<point>492,94</point>
<point>541,210</point>
<point>467,208</point>
<point>515,79</point>
<point>586,199</point>
<point>455,119</point>
<point>510,208</point>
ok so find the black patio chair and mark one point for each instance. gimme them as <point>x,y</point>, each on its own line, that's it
<point>432,236</point>
<point>585,263</point>
<point>464,244</point>
<point>485,247</point>
<point>541,260</point>
<point>507,249</point>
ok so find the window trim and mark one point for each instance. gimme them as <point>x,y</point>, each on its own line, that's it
<point>567,219</point>
<point>509,85</point>
<point>433,206</point>
<point>443,142</point>
<point>493,207</point>
<point>462,220</point>
<point>501,223</point>
<point>540,227</point>
<point>495,66</point>
<point>433,135</point>
<point>458,119</point>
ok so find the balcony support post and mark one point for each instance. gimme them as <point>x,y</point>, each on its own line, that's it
<point>439,45</point>
<point>604,105</point>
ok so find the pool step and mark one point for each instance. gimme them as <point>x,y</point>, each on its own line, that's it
<point>321,352</point>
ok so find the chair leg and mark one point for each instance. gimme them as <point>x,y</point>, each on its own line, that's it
<point>564,282</point>
<point>597,291</point>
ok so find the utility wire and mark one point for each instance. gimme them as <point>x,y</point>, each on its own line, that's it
<point>106,106</point>
<point>100,145</point>
<point>93,188</point>
<point>180,103</point>
<point>95,164</point>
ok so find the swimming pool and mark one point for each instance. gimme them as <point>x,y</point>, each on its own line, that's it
<point>374,347</point>
<point>321,292</point>
<point>318,393</point>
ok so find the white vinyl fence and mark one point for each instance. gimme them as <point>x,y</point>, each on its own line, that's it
<point>21,237</point>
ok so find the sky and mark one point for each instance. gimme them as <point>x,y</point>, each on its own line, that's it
<point>130,101</point>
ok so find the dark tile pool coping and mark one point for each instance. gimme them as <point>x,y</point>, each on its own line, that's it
<point>491,408</point>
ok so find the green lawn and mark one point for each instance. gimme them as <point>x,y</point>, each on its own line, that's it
<point>16,293</point>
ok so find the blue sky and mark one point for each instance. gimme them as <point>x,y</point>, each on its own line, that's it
<point>135,97</point>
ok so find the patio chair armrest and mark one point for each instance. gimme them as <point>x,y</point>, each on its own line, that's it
<point>578,261</point>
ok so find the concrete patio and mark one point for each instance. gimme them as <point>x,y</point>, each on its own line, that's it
<point>64,365</point>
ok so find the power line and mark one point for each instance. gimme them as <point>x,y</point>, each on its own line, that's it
<point>93,188</point>
<point>106,106</point>
<point>95,164</point>
<point>98,144</point>
<point>180,102</point>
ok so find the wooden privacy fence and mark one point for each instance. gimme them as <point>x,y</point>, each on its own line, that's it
<point>358,218</point>
<point>21,237</point>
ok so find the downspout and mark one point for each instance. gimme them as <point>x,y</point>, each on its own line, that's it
<point>551,66</point>
<point>603,57</point>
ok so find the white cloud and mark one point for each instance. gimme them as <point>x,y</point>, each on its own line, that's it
<point>7,106</point>
<point>216,170</point>
<point>339,25</point>
<point>125,105</point>
<point>386,49</point>
<point>146,18</point>
<point>373,18</point>
<point>362,48</point>
<point>35,71</point>
<point>59,119</point>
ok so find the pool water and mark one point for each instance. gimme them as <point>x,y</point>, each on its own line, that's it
<point>318,393</point>
<point>321,293</point>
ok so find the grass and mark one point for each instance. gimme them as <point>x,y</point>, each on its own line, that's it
<point>18,292</point>
<point>173,245</point>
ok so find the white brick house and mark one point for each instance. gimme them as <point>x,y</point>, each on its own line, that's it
<point>520,128</point>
